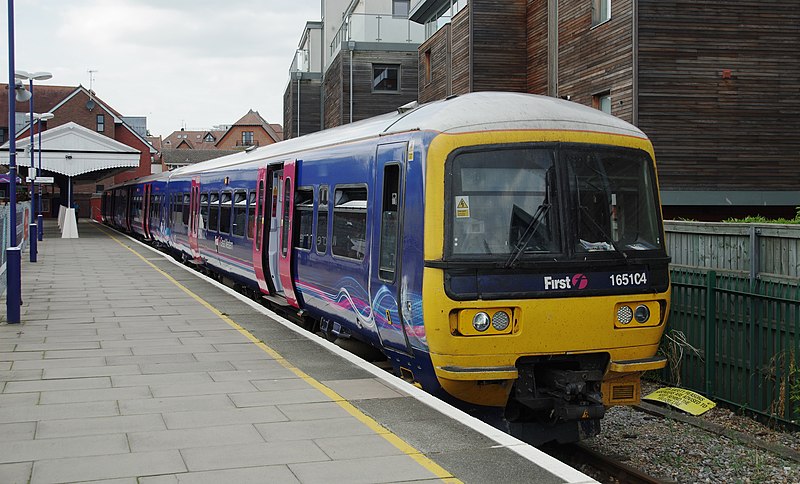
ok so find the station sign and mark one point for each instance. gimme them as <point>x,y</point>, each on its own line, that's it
<point>42,180</point>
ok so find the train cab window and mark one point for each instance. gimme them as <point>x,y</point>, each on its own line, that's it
<point>185,209</point>
<point>502,204</point>
<point>225,213</point>
<point>304,214</point>
<point>213,212</point>
<point>203,211</point>
<point>389,222</point>
<point>251,214</point>
<point>239,213</point>
<point>322,220</point>
<point>349,222</point>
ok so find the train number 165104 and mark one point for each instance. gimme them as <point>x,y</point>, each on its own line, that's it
<point>630,279</point>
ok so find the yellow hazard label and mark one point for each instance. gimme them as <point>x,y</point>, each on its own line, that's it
<point>462,207</point>
<point>585,414</point>
<point>411,150</point>
<point>388,317</point>
<point>686,400</point>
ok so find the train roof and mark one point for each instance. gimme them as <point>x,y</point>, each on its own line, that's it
<point>479,111</point>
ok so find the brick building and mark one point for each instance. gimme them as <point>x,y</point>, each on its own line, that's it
<point>80,106</point>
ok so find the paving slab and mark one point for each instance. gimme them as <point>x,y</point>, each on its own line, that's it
<point>117,375</point>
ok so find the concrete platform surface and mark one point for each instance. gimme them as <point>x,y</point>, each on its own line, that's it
<point>128,367</point>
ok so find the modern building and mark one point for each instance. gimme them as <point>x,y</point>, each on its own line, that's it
<point>358,62</point>
<point>714,84</point>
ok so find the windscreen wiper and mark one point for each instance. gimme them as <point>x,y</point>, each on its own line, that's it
<point>604,233</point>
<point>527,235</point>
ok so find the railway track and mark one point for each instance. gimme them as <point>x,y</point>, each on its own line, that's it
<point>604,468</point>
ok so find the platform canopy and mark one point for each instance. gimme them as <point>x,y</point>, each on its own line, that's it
<point>72,150</point>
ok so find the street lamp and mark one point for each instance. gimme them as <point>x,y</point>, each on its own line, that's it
<point>14,294</point>
<point>38,206</point>
<point>30,77</point>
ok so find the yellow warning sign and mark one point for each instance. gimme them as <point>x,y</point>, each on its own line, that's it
<point>462,207</point>
<point>585,414</point>
<point>686,400</point>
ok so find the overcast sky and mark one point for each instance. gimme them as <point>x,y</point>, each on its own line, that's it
<point>197,63</point>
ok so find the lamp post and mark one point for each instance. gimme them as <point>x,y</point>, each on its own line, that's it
<point>30,77</point>
<point>36,200</point>
<point>14,295</point>
<point>40,217</point>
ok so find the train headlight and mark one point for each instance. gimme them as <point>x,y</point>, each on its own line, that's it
<point>642,314</point>
<point>500,320</point>
<point>481,321</point>
<point>624,314</point>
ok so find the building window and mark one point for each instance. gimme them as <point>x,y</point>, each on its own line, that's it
<point>101,123</point>
<point>98,188</point>
<point>601,11</point>
<point>209,138</point>
<point>427,66</point>
<point>400,8</point>
<point>247,138</point>
<point>602,101</point>
<point>385,78</point>
<point>3,135</point>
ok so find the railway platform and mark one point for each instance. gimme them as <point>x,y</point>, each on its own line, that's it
<point>128,367</point>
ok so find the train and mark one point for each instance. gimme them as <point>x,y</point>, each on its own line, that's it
<point>504,251</point>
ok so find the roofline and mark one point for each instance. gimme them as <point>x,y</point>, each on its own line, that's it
<point>117,119</point>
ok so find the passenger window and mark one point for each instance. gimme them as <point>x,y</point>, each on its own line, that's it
<point>389,222</point>
<point>225,213</point>
<point>185,209</point>
<point>213,212</point>
<point>350,222</point>
<point>322,220</point>
<point>239,213</point>
<point>304,207</point>
<point>203,211</point>
<point>176,209</point>
<point>251,214</point>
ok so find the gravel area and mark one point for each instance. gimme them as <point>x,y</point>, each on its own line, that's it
<point>670,449</point>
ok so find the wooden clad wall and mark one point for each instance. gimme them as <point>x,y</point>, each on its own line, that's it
<point>499,53</point>
<point>594,60</point>
<point>460,53</point>
<point>332,91</point>
<point>719,92</point>
<point>310,115</point>
<point>366,103</point>
<point>437,49</point>
<point>537,46</point>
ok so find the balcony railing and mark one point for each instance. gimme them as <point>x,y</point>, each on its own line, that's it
<point>382,28</point>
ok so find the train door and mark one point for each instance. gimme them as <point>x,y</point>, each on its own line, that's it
<point>384,284</point>
<point>261,269</point>
<point>194,215</point>
<point>275,194</point>
<point>286,214</point>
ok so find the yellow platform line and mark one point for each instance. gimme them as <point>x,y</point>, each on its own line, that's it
<point>379,429</point>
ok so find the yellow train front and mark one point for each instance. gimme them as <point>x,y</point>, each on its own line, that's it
<point>545,287</point>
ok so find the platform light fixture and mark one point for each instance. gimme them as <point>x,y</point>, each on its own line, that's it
<point>21,75</point>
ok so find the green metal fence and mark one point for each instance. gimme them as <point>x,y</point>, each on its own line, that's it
<point>734,335</point>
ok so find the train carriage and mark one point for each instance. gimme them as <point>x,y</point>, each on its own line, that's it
<point>504,251</point>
